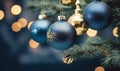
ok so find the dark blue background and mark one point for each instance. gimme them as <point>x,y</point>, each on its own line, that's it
<point>9,55</point>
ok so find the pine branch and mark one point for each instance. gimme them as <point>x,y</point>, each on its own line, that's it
<point>52,7</point>
<point>112,60</point>
<point>77,52</point>
<point>94,47</point>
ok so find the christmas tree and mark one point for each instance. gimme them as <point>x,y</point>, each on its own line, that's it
<point>92,46</point>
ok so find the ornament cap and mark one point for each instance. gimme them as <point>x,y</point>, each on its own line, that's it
<point>61,17</point>
<point>42,15</point>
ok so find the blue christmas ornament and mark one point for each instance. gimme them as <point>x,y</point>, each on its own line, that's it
<point>97,15</point>
<point>38,30</point>
<point>61,35</point>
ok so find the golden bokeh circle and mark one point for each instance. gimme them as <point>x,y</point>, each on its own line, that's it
<point>29,24</point>
<point>99,68</point>
<point>33,44</point>
<point>16,27</point>
<point>91,32</point>
<point>68,2</point>
<point>115,32</point>
<point>16,9</point>
<point>23,22</point>
<point>1,14</point>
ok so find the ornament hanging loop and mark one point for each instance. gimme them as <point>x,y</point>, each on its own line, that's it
<point>78,9</point>
<point>61,17</point>
<point>42,15</point>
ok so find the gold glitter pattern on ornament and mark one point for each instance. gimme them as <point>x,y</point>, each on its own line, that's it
<point>50,36</point>
<point>77,21</point>
<point>67,60</point>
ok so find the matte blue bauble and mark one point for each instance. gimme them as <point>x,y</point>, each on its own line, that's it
<point>61,35</point>
<point>97,15</point>
<point>38,30</point>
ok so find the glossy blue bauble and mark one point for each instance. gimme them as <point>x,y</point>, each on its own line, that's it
<point>97,15</point>
<point>61,35</point>
<point>38,30</point>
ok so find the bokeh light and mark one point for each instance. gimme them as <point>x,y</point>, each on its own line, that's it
<point>16,9</point>
<point>91,32</point>
<point>1,15</point>
<point>99,68</point>
<point>33,44</point>
<point>23,22</point>
<point>115,32</point>
<point>29,24</point>
<point>16,27</point>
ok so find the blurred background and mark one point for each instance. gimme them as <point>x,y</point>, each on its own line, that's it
<point>18,52</point>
